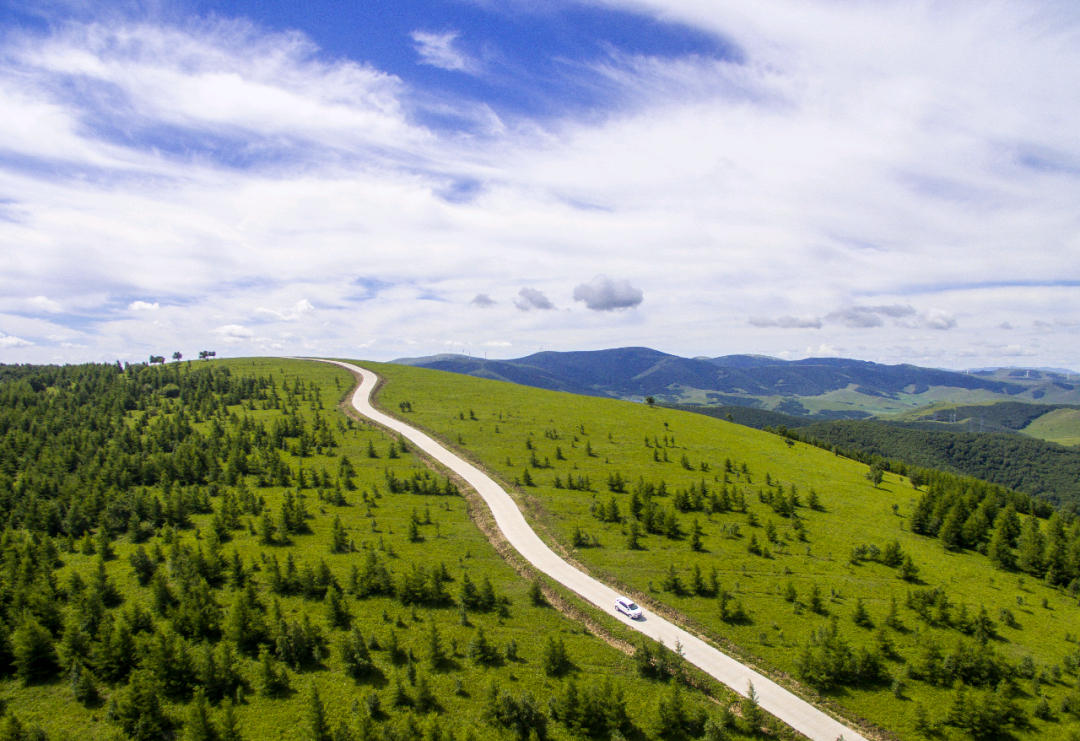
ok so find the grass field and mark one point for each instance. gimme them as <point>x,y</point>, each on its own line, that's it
<point>1059,426</point>
<point>378,521</point>
<point>570,436</point>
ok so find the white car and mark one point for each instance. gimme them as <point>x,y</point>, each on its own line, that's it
<point>627,607</point>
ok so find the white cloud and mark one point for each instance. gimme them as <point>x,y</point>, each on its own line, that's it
<point>938,320</point>
<point>143,306</point>
<point>862,317</point>
<point>44,303</point>
<point>786,322</point>
<point>483,301</point>
<point>301,308</point>
<point>531,298</point>
<point>8,341</point>
<point>438,50</point>
<point>234,333</point>
<point>604,294</point>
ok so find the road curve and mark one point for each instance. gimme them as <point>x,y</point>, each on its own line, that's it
<point>793,710</point>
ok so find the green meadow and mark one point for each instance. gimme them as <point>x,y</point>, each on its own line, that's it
<point>958,649</point>
<point>276,532</point>
<point>1059,426</point>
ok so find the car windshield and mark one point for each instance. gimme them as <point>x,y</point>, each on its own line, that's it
<point>632,606</point>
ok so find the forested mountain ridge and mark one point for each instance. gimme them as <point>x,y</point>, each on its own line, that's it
<point>836,386</point>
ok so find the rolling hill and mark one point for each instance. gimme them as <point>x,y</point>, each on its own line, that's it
<point>776,550</point>
<point>826,387</point>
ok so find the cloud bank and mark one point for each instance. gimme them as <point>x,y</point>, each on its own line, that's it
<point>899,179</point>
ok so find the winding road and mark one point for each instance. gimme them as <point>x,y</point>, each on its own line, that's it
<point>796,712</point>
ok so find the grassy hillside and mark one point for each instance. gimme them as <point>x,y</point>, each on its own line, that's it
<point>712,520</point>
<point>221,530</point>
<point>1061,426</point>
<point>1034,466</point>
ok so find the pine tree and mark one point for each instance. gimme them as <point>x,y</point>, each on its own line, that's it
<point>436,653</point>
<point>998,551</point>
<point>908,570</point>
<point>695,537</point>
<point>339,537</point>
<point>198,726</point>
<point>33,651</point>
<point>272,679</point>
<point>338,614</point>
<point>751,711</point>
<point>952,530</point>
<point>139,711</point>
<point>633,536</point>
<point>1031,546</point>
<point>861,617</point>
<point>555,660</point>
<point>536,593</point>
<point>83,687</point>
<point>355,655</point>
<point>228,726</point>
<point>318,728</point>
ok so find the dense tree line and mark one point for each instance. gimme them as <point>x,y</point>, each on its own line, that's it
<point>1035,467</point>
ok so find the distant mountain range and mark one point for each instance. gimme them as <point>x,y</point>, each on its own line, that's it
<point>826,388</point>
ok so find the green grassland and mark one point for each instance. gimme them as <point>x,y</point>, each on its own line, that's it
<point>195,535</point>
<point>521,433</point>
<point>1059,426</point>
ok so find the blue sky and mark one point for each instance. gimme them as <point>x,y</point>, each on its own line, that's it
<point>891,181</point>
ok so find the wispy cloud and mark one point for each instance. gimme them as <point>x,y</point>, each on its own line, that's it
<point>301,308</point>
<point>786,322</point>
<point>440,50</point>
<point>863,317</point>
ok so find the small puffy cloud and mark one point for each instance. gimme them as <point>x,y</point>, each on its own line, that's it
<point>302,308</point>
<point>437,50</point>
<point>531,298</point>
<point>786,322</point>
<point>483,301</point>
<point>143,306</point>
<point>823,351</point>
<point>497,343</point>
<point>43,303</point>
<point>234,333</point>
<point>8,341</point>
<point>1005,325</point>
<point>604,294</point>
<point>865,317</point>
<point>938,320</point>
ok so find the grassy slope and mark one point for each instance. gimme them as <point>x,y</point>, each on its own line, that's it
<point>855,513</point>
<point>1059,426</point>
<point>454,540</point>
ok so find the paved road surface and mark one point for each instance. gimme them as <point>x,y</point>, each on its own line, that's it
<point>773,698</point>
